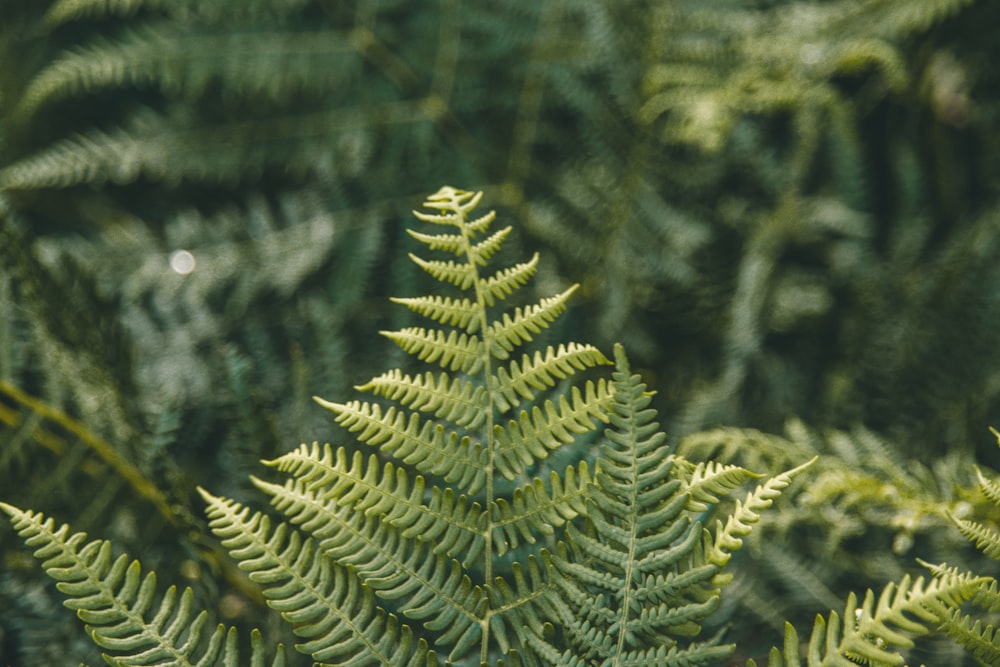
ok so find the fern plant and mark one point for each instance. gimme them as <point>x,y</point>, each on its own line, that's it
<point>874,632</point>
<point>980,636</point>
<point>452,547</point>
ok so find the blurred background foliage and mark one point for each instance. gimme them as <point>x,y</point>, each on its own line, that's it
<point>786,210</point>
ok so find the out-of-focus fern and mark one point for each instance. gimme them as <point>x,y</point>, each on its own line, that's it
<point>813,264</point>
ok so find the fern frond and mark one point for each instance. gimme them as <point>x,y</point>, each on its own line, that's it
<point>985,538</point>
<point>727,538</point>
<point>978,638</point>
<point>547,427</point>
<point>990,488</point>
<point>430,589</point>
<point>503,283</point>
<point>636,583</point>
<point>458,313</point>
<point>116,602</point>
<point>459,274</point>
<point>705,482</point>
<point>159,55</point>
<point>424,445</point>
<point>331,610</point>
<point>452,525</point>
<point>515,609</point>
<point>64,11</point>
<point>519,381</point>
<point>873,631</point>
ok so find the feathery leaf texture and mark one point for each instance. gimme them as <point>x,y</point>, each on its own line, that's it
<point>454,545</point>
<point>332,610</point>
<point>120,607</point>
<point>980,637</point>
<point>636,586</point>
<point>870,633</point>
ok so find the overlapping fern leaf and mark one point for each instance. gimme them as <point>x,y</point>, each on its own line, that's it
<point>635,587</point>
<point>428,536</point>
<point>123,611</point>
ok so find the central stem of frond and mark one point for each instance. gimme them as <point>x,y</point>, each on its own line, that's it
<point>488,435</point>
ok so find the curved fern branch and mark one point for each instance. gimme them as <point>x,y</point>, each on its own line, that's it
<point>333,611</point>
<point>119,604</point>
<point>869,634</point>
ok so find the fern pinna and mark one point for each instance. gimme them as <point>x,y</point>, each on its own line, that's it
<point>450,548</point>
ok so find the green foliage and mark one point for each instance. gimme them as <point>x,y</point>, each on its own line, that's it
<point>871,633</point>
<point>645,575</point>
<point>433,537</point>
<point>860,516</point>
<point>980,636</point>
<point>119,605</point>
<point>781,207</point>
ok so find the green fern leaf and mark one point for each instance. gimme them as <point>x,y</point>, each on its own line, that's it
<point>333,611</point>
<point>705,482</point>
<point>549,426</point>
<point>875,630</point>
<point>114,599</point>
<point>985,538</point>
<point>451,523</point>
<point>63,11</point>
<point>433,590</point>
<point>514,331</point>
<point>978,638</point>
<point>739,523</point>
<point>502,284</point>
<point>176,62</point>
<point>520,381</point>
<point>456,351</point>
<point>424,445</point>
<point>458,313</point>
<point>535,510</point>
<point>641,536</point>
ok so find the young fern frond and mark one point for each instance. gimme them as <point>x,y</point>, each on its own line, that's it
<point>119,605</point>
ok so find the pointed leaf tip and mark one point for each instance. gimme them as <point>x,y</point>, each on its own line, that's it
<point>621,360</point>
